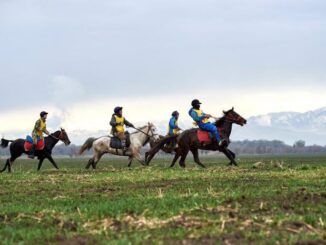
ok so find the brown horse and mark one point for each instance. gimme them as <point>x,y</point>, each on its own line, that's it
<point>188,141</point>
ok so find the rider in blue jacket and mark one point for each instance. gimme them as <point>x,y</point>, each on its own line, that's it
<point>201,120</point>
<point>173,124</point>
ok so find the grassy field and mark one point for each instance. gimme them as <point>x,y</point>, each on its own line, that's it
<point>269,204</point>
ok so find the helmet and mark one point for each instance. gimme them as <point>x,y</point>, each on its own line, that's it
<point>117,109</point>
<point>175,113</point>
<point>195,102</point>
<point>43,113</point>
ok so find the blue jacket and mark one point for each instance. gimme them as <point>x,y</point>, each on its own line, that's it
<point>193,114</point>
<point>173,124</point>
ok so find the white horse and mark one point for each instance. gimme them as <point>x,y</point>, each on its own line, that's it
<point>138,139</point>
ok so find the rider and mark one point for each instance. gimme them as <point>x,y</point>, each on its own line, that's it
<point>173,124</point>
<point>117,122</point>
<point>38,131</point>
<point>201,120</point>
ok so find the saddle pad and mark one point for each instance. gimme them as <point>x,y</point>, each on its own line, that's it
<point>115,143</point>
<point>40,145</point>
<point>203,136</point>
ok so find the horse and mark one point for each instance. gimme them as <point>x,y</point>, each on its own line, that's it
<point>101,146</point>
<point>17,149</point>
<point>188,141</point>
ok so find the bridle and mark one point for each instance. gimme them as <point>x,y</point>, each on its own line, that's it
<point>149,130</point>
<point>58,138</point>
<point>233,118</point>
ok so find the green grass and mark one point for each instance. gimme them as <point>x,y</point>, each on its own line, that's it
<point>269,204</point>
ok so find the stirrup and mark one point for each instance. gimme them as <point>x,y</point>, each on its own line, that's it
<point>222,143</point>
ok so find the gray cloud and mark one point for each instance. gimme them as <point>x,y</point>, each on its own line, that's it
<point>115,48</point>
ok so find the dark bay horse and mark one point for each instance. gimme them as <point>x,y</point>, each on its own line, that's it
<point>188,141</point>
<point>17,149</point>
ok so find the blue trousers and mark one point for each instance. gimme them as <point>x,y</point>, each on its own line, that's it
<point>210,128</point>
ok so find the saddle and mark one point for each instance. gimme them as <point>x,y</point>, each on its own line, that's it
<point>116,143</point>
<point>28,145</point>
<point>204,136</point>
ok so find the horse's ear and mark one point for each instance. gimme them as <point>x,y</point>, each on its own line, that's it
<point>224,112</point>
<point>232,108</point>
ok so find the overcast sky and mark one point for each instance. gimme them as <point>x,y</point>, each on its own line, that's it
<point>79,58</point>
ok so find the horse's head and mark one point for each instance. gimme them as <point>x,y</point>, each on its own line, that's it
<point>234,117</point>
<point>152,131</point>
<point>63,136</point>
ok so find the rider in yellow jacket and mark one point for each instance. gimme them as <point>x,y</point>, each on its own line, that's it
<point>118,123</point>
<point>38,132</point>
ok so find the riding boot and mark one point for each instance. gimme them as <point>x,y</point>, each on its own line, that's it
<point>31,154</point>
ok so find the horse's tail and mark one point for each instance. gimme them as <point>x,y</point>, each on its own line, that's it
<point>158,146</point>
<point>4,143</point>
<point>87,145</point>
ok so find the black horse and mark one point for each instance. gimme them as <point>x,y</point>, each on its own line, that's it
<point>17,149</point>
<point>188,141</point>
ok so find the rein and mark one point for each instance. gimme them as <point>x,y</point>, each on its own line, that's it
<point>56,138</point>
<point>149,128</point>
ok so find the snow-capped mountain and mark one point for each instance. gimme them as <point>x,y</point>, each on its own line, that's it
<point>286,126</point>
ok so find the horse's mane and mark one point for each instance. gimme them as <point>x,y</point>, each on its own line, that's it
<point>220,121</point>
<point>53,134</point>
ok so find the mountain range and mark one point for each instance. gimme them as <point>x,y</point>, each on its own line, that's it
<point>289,127</point>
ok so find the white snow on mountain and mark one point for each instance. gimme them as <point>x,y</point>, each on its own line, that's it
<point>286,126</point>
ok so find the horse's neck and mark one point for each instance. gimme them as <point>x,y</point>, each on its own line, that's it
<point>141,136</point>
<point>227,128</point>
<point>52,141</point>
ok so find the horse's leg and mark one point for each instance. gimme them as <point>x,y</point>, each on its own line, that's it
<point>90,162</point>
<point>229,156</point>
<point>146,156</point>
<point>149,158</point>
<point>184,153</point>
<point>130,161</point>
<point>175,159</point>
<point>6,165</point>
<point>40,163</point>
<point>150,155</point>
<point>9,165</point>
<point>139,159</point>
<point>11,161</point>
<point>196,157</point>
<point>234,157</point>
<point>136,154</point>
<point>48,156</point>
<point>97,158</point>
